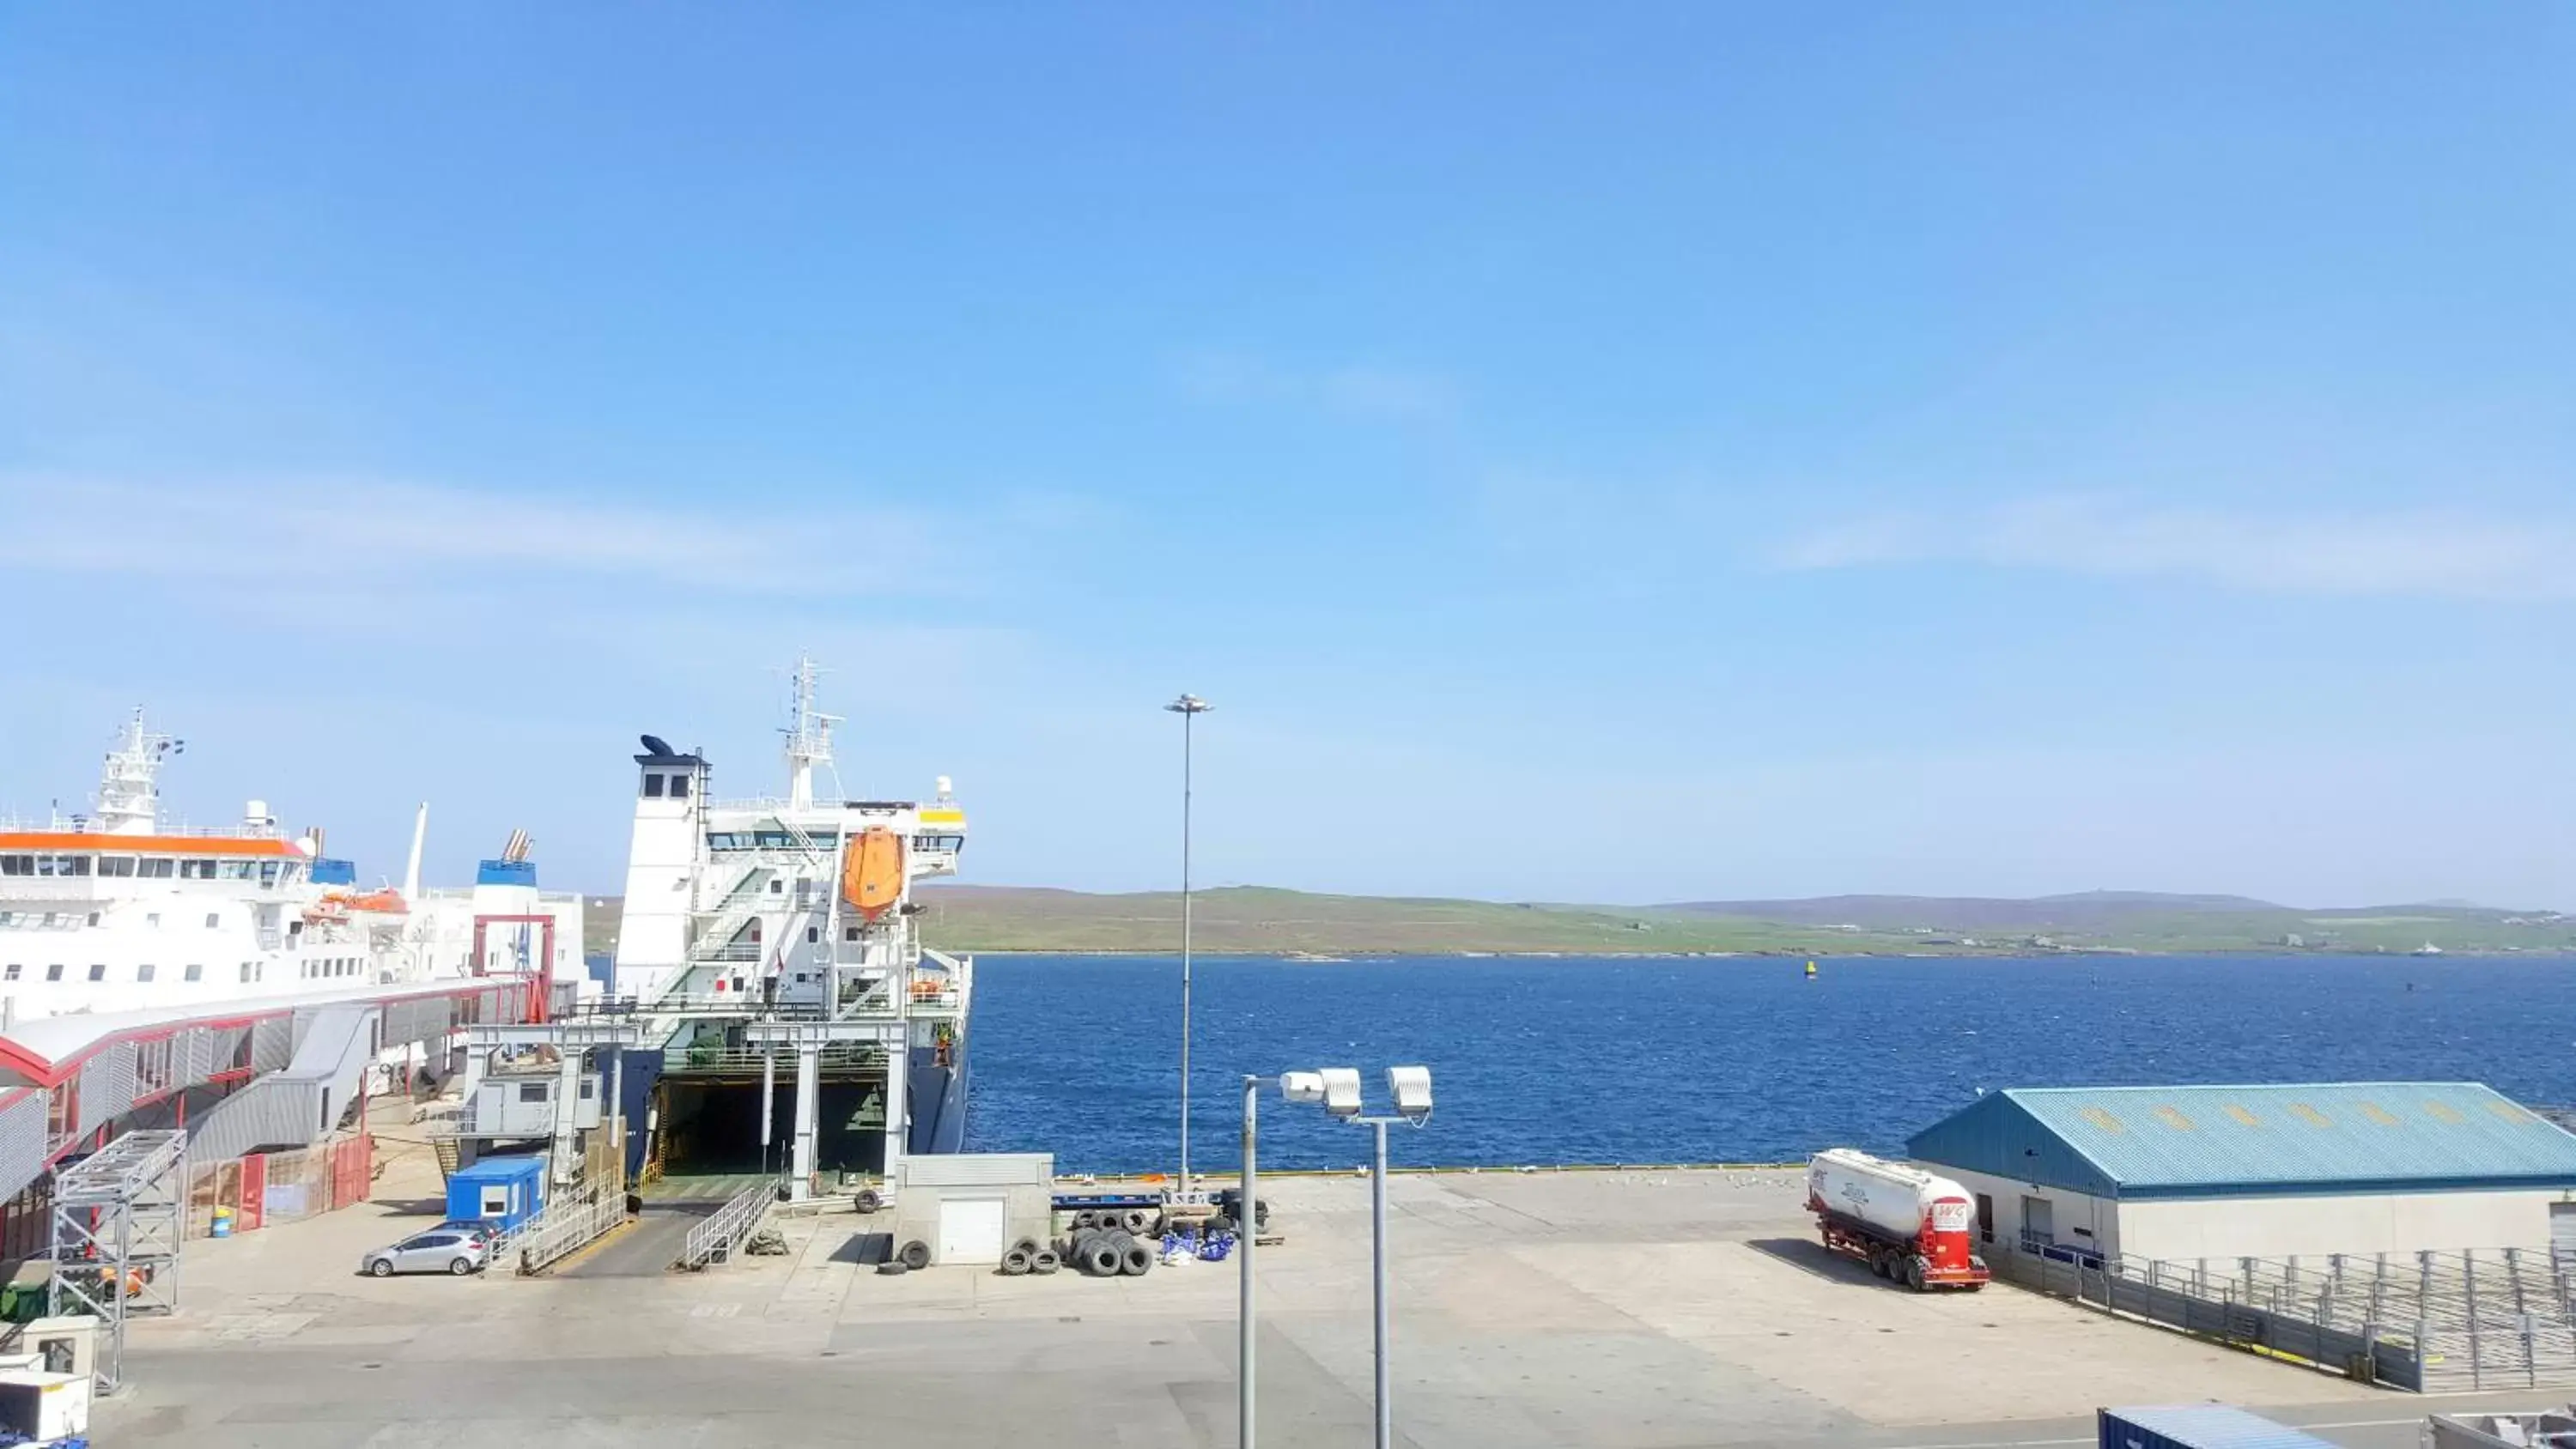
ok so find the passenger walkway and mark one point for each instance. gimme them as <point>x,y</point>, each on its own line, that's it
<point>70,1083</point>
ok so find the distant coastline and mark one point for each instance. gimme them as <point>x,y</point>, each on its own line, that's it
<point>1262,921</point>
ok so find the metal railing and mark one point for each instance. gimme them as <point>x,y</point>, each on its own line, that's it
<point>711,1058</point>
<point>739,904</point>
<point>715,1239</point>
<point>559,1231</point>
<point>2428,1321</point>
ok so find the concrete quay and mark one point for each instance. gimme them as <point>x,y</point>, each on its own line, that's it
<point>1626,1310</point>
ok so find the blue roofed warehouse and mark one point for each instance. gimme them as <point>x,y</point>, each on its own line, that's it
<point>2259,1171</point>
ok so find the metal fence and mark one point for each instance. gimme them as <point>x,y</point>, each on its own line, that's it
<point>714,1239</point>
<point>564,1228</point>
<point>2432,1322</point>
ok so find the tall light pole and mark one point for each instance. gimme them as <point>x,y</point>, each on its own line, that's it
<point>1189,707</point>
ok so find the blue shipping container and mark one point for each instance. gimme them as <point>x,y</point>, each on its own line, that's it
<point>2198,1426</point>
<point>505,1190</point>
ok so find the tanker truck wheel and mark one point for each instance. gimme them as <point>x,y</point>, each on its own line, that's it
<point>1914,1273</point>
<point>1878,1262</point>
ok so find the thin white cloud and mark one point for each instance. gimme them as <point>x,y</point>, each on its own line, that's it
<point>285,531</point>
<point>2420,554</point>
<point>1392,394</point>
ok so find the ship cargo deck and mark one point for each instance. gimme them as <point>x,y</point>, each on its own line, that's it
<point>1624,1309</point>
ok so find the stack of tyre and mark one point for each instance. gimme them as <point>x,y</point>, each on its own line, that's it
<point>1028,1255</point>
<point>1112,1242</point>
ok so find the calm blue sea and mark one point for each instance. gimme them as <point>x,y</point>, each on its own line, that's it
<point>1574,1060</point>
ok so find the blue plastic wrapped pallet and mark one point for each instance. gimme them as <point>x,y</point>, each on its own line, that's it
<point>2198,1426</point>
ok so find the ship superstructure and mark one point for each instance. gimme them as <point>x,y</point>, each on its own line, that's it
<point>116,910</point>
<point>777,935</point>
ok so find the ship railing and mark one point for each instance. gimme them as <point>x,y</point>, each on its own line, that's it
<point>781,802</point>
<point>733,1059</point>
<point>743,1004</point>
<point>739,904</point>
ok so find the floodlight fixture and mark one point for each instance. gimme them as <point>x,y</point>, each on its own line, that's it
<point>1411,1089</point>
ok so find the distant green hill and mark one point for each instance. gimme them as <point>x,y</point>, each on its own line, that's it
<point>1255,919</point>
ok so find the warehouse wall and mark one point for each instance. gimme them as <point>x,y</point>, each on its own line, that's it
<point>2275,1227</point>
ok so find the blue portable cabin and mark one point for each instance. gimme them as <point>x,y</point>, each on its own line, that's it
<point>2197,1426</point>
<point>504,1190</point>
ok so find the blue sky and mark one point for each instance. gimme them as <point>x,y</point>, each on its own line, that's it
<point>1629,454</point>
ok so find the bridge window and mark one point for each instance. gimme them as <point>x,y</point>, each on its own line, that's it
<point>11,974</point>
<point>116,865</point>
<point>194,973</point>
<point>98,971</point>
<point>214,919</point>
<point>652,785</point>
<point>143,972</point>
<point>54,972</point>
<point>235,869</point>
<point>157,869</point>
<point>679,787</point>
<point>17,865</point>
<point>196,870</point>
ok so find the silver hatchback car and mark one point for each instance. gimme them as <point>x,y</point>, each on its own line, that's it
<point>444,1250</point>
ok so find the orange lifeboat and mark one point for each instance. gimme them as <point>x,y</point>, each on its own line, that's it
<point>872,871</point>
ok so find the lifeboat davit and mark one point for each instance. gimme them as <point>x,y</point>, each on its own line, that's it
<point>872,871</point>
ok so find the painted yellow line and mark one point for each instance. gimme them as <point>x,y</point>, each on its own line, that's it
<point>586,1249</point>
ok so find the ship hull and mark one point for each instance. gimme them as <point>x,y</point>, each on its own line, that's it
<point>938,1094</point>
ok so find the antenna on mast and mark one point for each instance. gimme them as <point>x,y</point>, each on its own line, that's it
<point>809,733</point>
<point>129,791</point>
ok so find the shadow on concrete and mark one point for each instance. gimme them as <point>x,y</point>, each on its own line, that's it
<point>865,1249</point>
<point>1815,1260</point>
<point>412,1207</point>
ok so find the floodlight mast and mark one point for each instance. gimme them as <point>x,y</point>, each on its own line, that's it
<point>1337,1091</point>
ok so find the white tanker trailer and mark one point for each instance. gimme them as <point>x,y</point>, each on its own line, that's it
<point>1907,1224</point>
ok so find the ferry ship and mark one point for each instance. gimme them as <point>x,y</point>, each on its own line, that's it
<point>779,934</point>
<point>118,911</point>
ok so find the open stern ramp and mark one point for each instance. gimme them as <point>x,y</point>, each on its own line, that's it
<point>659,1237</point>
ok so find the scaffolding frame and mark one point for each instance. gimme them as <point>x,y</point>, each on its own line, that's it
<point>119,1216</point>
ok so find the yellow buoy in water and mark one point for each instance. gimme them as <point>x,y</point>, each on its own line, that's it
<point>1811,970</point>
